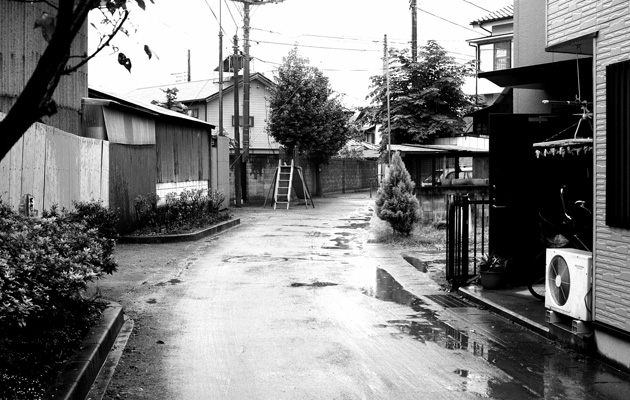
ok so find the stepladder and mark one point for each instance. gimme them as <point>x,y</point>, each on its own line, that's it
<point>284,179</point>
<point>289,180</point>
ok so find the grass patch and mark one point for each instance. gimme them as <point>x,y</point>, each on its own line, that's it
<point>425,236</point>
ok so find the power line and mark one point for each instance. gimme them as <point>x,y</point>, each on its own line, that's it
<point>314,47</point>
<point>215,16</point>
<point>231,15</point>
<point>471,3</point>
<point>449,21</point>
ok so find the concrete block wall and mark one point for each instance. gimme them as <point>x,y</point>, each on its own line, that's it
<point>339,176</point>
<point>611,20</point>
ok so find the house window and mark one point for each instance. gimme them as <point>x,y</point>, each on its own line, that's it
<point>618,144</point>
<point>193,112</point>
<point>240,120</point>
<point>502,55</point>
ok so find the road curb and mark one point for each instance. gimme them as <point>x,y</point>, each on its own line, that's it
<point>76,377</point>
<point>504,312</point>
<point>183,237</point>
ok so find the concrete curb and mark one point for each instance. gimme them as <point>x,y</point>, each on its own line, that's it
<point>76,377</point>
<point>504,312</point>
<point>184,237</point>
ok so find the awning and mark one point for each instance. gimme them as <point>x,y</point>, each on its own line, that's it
<point>540,75</point>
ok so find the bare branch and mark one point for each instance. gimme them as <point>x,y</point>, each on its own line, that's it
<point>69,70</point>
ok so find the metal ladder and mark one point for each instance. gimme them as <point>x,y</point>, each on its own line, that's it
<point>284,179</point>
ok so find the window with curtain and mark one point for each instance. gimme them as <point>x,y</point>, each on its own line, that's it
<point>502,55</point>
<point>618,144</point>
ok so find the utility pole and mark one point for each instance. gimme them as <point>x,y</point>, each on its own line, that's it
<point>220,74</point>
<point>246,83</point>
<point>188,78</point>
<point>246,80</point>
<point>237,135</point>
<point>414,30</point>
<point>389,128</point>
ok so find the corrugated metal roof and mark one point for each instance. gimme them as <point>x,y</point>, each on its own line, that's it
<point>147,106</point>
<point>503,13</point>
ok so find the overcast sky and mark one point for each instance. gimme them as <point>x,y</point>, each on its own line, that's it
<point>343,38</point>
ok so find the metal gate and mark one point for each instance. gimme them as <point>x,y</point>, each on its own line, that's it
<point>466,237</point>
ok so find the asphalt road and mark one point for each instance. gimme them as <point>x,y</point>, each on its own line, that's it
<point>293,305</point>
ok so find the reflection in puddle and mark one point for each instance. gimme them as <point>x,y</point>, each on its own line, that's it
<point>424,325</point>
<point>532,367</point>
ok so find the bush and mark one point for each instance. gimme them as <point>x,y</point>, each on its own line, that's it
<point>45,266</point>
<point>396,202</point>
<point>189,210</point>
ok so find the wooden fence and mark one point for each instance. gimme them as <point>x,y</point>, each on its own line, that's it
<point>54,167</point>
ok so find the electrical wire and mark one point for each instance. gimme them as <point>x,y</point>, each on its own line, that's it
<point>315,47</point>
<point>215,16</point>
<point>231,15</point>
<point>447,20</point>
<point>481,8</point>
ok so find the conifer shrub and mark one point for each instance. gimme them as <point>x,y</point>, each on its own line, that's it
<point>396,202</point>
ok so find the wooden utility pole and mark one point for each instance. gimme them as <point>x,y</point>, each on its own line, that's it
<point>237,134</point>
<point>414,29</point>
<point>389,128</point>
<point>246,80</point>
<point>246,83</point>
<point>220,74</point>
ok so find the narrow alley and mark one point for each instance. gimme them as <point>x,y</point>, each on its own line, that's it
<point>296,304</point>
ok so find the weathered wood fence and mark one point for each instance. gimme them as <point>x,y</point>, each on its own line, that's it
<point>55,167</point>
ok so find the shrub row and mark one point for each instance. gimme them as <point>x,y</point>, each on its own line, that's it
<point>180,212</point>
<point>45,266</point>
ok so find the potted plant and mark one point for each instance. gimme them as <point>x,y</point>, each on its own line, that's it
<point>492,270</point>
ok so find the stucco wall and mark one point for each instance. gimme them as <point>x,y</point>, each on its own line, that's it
<point>529,49</point>
<point>567,20</point>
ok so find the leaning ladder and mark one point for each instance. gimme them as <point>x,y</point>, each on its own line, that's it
<point>284,178</point>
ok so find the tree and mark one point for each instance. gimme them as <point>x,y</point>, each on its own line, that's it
<point>426,97</point>
<point>171,102</point>
<point>304,114</point>
<point>35,101</point>
<point>396,202</point>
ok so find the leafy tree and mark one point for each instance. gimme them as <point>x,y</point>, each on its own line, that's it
<point>59,31</point>
<point>304,114</point>
<point>396,202</point>
<point>426,97</point>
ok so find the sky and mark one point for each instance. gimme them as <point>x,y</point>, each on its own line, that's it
<point>343,38</point>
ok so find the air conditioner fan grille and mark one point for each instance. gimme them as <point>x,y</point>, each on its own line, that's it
<point>559,280</point>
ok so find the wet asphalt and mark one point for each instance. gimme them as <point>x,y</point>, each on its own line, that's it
<point>297,304</point>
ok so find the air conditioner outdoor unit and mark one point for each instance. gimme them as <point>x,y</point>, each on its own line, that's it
<point>568,282</point>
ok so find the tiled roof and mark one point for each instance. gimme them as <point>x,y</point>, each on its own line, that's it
<point>187,91</point>
<point>504,13</point>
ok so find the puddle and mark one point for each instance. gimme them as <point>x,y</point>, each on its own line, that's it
<point>340,243</point>
<point>254,259</point>
<point>425,325</point>
<point>172,282</point>
<point>313,284</point>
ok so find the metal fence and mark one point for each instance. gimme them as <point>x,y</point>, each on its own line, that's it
<point>466,236</point>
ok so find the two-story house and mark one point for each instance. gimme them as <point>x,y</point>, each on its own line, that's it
<point>202,99</point>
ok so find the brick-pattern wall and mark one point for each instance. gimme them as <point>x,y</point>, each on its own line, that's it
<point>611,19</point>
<point>339,176</point>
